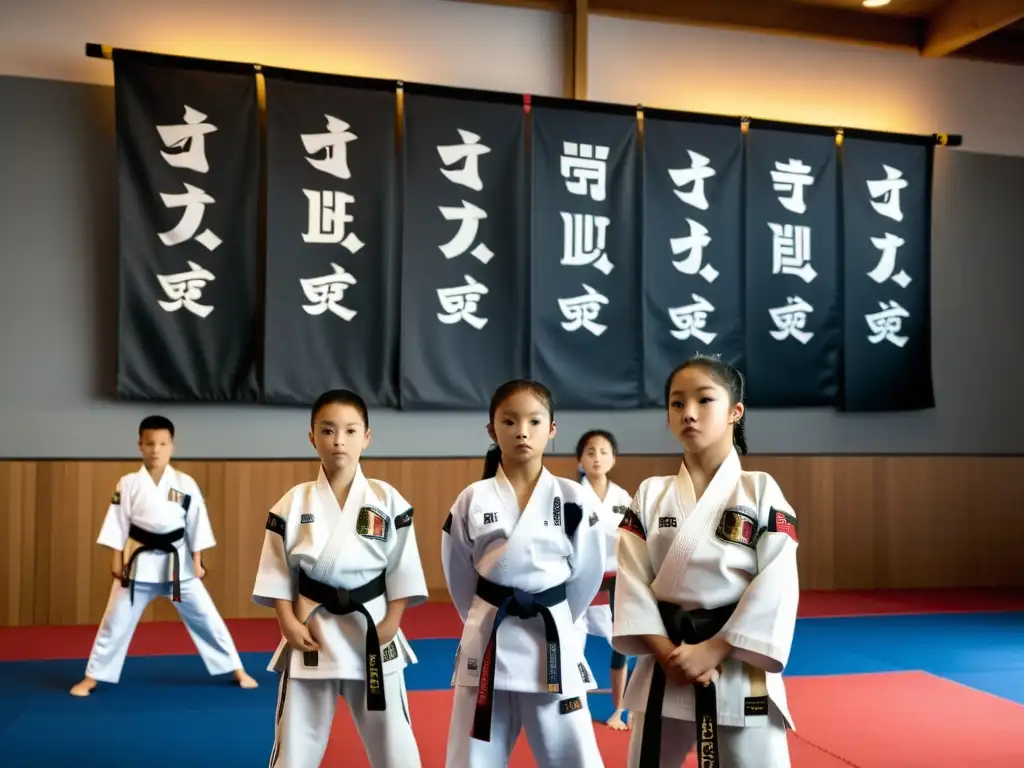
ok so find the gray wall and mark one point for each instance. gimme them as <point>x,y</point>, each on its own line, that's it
<point>58,295</point>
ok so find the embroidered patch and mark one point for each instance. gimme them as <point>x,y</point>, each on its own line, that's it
<point>307,518</point>
<point>116,498</point>
<point>573,518</point>
<point>404,520</point>
<point>583,672</point>
<point>782,522</point>
<point>565,706</point>
<point>667,522</point>
<point>618,509</point>
<point>738,526</point>
<point>447,527</point>
<point>490,518</point>
<point>755,705</point>
<point>471,665</point>
<point>372,524</point>
<point>389,652</point>
<point>631,522</point>
<point>276,524</point>
<point>179,497</point>
<point>592,519</point>
<point>556,510</point>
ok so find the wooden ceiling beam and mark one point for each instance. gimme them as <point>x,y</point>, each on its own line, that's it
<point>959,23</point>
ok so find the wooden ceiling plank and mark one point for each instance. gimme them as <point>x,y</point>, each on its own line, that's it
<point>961,22</point>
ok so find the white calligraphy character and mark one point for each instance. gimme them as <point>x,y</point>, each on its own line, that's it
<point>194,201</point>
<point>185,289</point>
<point>582,311</point>
<point>190,138</point>
<point>692,319</point>
<point>791,319</point>
<point>889,190</point>
<point>327,219</point>
<point>888,245</point>
<point>583,241</point>
<point>325,293</point>
<point>792,177</point>
<point>470,216</point>
<point>470,150</point>
<point>586,168</point>
<point>335,145</point>
<point>699,171</point>
<point>886,325</point>
<point>791,251</point>
<point>695,243</point>
<point>461,303</point>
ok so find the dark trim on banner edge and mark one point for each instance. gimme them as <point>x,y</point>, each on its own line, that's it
<point>98,51</point>
<point>570,455</point>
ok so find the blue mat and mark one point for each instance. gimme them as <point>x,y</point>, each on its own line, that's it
<point>42,725</point>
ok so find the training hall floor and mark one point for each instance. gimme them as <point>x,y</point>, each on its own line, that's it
<point>875,679</point>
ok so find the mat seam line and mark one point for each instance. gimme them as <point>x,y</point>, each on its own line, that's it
<point>826,751</point>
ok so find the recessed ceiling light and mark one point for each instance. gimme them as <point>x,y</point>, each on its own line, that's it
<point>874,3</point>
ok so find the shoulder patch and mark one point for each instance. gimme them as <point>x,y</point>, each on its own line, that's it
<point>276,524</point>
<point>565,706</point>
<point>404,520</point>
<point>632,523</point>
<point>618,509</point>
<point>372,524</point>
<point>447,527</point>
<point>782,522</point>
<point>738,525</point>
<point>116,498</point>
<point>592,519</point>
<point>573,518</point>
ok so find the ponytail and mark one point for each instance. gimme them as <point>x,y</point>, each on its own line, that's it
<point>491,462</point>
<point>582,475</point>
<point>739,436</point>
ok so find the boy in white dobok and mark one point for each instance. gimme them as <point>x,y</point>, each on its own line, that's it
<point>340,565</point>
<point>157,527</point>
<point>596,452</point>
<point>523,557</point>
<point>707,591</point>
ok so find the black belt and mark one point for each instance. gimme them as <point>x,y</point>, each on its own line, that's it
<point>342,602</point>
<point>154,542</point>
<point>522,605</point>
<point>689,627</point>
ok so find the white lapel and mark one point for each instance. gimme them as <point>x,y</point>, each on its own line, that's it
<point>339,522</point>
<point>521,531</point>
<point>698,517</point>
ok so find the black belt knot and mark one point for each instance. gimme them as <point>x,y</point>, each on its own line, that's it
<point>341,602</point>
<point>685,628</point>
<point>522,605</point>
<point>154,542</point>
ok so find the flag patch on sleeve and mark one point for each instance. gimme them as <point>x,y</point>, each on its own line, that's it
<point>738,526</point>
<point>372,524</point>
<point>447,527</point>
<point>276,524</point>
<point>404,520</point>
<point>116,498</point>
<point>632,523</point>
<point>782,522</point>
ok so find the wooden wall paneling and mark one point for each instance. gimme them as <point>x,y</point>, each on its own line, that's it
<point>865,522</point>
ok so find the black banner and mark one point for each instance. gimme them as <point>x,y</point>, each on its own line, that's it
<point>465,311</point>
<point>586,334</point>
<point>188,175</point>
<point>332,308</point>
<point>793,318</point>
<point>693,246</point>
<point>887,192</point>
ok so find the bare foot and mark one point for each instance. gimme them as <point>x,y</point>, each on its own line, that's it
<point>245,680</point>
<point>615,722</point>
<point>83,688</point>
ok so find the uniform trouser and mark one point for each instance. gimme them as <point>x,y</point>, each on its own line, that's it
<point>765,747</point>
<point>197,612</point>
<point>556,740</point>
<point>305,713</point>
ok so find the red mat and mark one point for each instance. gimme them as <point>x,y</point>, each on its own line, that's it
<point>898,720</point>
<point>435,620</point>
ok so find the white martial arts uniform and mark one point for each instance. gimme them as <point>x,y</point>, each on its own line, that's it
<point>372,537</point>
<point>597,619</point>
<point>175,503</point>
<point>554,543</point>
<point>735,545</point>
